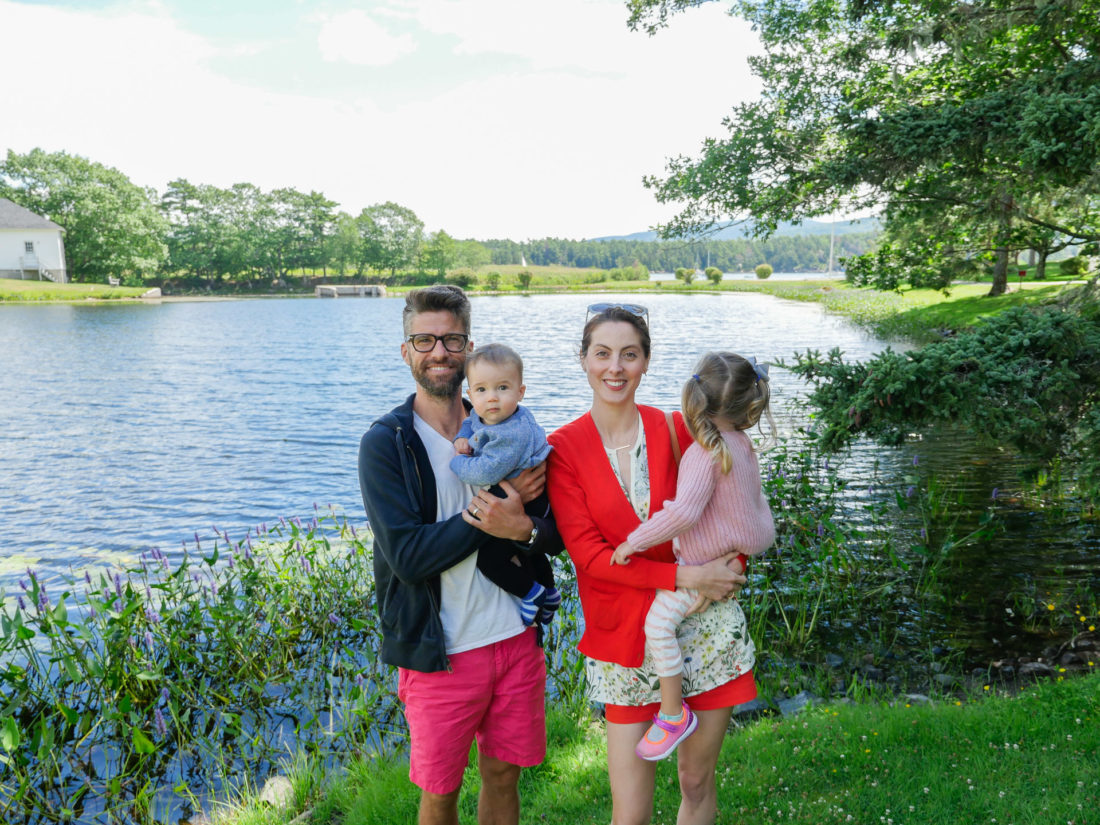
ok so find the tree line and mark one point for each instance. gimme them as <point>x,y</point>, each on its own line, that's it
<point>807,253</point>
<point>208,234</point>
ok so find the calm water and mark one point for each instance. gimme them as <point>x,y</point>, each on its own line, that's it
<point>130,426</point>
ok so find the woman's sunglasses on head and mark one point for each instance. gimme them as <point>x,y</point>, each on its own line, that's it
<point>634,309</point>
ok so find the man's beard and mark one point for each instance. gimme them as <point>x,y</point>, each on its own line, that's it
<point>438,388</point>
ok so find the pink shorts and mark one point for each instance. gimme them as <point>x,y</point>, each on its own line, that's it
<point>495,694</point>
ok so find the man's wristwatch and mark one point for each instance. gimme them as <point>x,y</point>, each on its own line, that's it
<point>534,537</point>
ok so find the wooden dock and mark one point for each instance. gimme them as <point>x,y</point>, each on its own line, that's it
<point>349,291</point>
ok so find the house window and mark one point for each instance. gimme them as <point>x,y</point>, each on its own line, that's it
<point>28,247</point>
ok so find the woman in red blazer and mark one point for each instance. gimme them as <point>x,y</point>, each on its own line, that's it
<point>608,471</point>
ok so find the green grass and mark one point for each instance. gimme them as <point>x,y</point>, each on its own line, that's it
<point>15,290</point>
<point>1031,759</point>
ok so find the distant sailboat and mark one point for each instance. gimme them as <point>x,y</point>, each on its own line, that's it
<point>522,260</point>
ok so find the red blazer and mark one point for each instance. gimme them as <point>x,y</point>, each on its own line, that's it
<point>595,516</point>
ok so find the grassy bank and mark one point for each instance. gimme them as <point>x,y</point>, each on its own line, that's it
<point>13,290</point>
<point>920,314</point>
<point>1032,758</point>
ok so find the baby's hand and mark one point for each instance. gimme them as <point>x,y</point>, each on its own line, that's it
<point>623,553</point>
<point>462,446</point>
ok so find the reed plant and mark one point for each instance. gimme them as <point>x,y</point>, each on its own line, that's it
<point>172,677</point>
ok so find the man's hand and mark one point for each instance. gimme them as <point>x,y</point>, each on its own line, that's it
<point>623,553</point>
<point>530,483</point>
<point>462,446</point>
<point>500,517</point>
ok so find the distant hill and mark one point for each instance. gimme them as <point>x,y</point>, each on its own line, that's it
<point>736,231</point>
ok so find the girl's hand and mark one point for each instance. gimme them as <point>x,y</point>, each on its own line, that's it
<point>622,554</point>
<point>462,446</point>
<point>715,580</point>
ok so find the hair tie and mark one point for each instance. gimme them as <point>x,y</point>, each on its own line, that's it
<point>761,370</point>
<point>697,378</point>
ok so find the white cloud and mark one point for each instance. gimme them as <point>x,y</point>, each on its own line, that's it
<point>556,149</point>
<point>354,37</point>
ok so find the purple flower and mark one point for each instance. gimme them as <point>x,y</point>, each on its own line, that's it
<point>820,530</point>
<point>306,566</point>
<point>23,584</point>
<point>165,693</point>
<point>118,585</point>
<point>909,491</point>
<point>158,720</point>
<point>916,460</point>
<point>230,561</point>
<point>995,491</point>
<point>332,617</point>
<point>354,535</point>
<point>43,599</point>
<point>923,534</point>
<point>149,641</point>
<point>20,603</point>
<point>359,680</point>
<point>197,540</point>
<point>88,578</point>
<point>315,506</point>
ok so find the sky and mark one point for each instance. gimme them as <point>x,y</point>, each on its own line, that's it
<point>488,118</point>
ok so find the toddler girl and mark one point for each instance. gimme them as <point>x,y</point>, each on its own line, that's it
<point>719,507</point>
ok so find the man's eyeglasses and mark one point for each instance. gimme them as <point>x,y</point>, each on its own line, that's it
<point>452,341</point>
<point>634,309</point>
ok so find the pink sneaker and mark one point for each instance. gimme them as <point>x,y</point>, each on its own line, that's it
<point>662,737</point>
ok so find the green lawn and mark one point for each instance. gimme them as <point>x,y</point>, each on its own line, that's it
<point>15,290</point>
<point>1032,759</point>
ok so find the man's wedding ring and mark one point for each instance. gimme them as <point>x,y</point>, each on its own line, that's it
<point>474,512</point>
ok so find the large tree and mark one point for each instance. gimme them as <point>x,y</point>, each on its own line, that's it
<point>392,236</point>
<point>973,111</point>
<point>112,226</point>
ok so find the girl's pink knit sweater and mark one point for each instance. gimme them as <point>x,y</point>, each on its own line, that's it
<point>713,514</point>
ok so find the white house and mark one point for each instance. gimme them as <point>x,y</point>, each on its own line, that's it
<point>30,246</point>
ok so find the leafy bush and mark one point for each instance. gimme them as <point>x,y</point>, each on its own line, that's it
<point>1029,378</point>
<point>464,280</point>
<point>1074,267</point>
<point>714,274</point>
<point>492,281</point>
<point>763,271</point>
<point>524,279</point>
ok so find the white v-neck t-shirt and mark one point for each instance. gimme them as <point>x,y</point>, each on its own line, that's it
<point>475,612</point>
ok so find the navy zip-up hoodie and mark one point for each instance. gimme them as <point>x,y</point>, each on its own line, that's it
<point>411,549</point>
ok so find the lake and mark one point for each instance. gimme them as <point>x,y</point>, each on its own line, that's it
<point>127,426</point>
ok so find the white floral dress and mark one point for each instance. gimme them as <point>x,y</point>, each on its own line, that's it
<point>715,643</point>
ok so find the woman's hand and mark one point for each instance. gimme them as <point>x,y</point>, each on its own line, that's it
<point>716,580</point>
<point>530,483</point>
<point>500,517</point>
